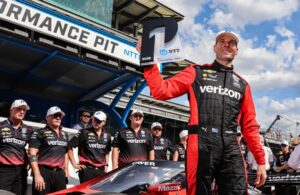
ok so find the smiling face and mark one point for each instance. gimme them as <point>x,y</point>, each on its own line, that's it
<point>225,49</point>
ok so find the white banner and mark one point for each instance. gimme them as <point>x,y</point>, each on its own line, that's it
<point>166,52</point>
<point>160,42</point>
<point>28,17</point>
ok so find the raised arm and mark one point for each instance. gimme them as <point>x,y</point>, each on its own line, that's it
<point>171,87</point>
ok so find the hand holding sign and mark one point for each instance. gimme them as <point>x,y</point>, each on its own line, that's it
<point>160,42</point>
<point>139,45</point>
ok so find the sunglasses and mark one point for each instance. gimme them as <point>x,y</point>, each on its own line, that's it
<point>283,145</point>
<point>57,115</point>
<point>157,129</point>
<point>138,115</point>
<point>86,116</point>
<point>97,120</point>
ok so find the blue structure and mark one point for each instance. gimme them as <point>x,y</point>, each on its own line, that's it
<point>64,67</point>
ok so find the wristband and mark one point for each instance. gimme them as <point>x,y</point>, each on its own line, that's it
<point>32,158</point>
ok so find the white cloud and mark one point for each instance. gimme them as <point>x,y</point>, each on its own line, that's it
<point>223,20</point>
<point>271,41</point>
<point>240,12</point>
<point>269,69</point>
<point>286,50</point>
<point>284,32</point>
<point>273,80</point>
<point>288,109</point>
<point>196,39</point>
<point>296,63</point>
<point>188,8</point>
<point>253,60</point>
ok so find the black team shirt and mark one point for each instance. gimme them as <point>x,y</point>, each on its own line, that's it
<point>282,159</point>
<point>133,146</point>
<point>181,152</point>
<point>13,142</point>
<point>52,146</point>
<point>91,148</point>
<point>161,146</point>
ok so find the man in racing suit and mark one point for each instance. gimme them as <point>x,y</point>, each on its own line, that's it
<point>219,100</point>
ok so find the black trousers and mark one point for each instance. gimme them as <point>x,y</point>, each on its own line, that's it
<point>285,189</point>
<point>54,180</point>
<point>215,155</point>
<point>13,179</point>
<point>89,173</point>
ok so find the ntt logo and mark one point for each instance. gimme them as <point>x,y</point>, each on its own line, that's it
<point>163,52</point>
<point>220,90</point>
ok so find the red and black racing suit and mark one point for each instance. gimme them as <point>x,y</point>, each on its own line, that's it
<point>219,101</point>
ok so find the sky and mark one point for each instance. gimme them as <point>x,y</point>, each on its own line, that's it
<point>269,50</point>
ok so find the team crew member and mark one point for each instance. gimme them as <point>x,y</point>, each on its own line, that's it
<point>94,145</point>
<point>219,100</point>
<point>85,118</point>
<point>14,135</point>
<point>180,149</point>
<point>282,158</point>
<point>48,155</point>
<point>161,145</point>
<point>269,158</point>
<point>282,166</point>
<point>134,143</point>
